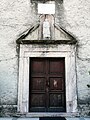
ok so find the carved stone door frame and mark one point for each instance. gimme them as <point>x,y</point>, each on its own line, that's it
<point>38,50</point>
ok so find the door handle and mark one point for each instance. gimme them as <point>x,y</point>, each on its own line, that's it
<point>47,83</point>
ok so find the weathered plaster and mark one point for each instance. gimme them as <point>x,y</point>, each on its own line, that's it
<point>78,22</point>
<point>17,16</point>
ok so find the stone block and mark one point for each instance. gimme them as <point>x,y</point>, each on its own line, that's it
<point>87,118</point>
<point>72,119</point>
<point>5,118</point>
<point>28,119</point>
<point>82,118</point>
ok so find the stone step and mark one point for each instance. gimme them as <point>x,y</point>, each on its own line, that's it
<point>51,118</point>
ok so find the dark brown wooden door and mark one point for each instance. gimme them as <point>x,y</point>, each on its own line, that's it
<point>47,85</point>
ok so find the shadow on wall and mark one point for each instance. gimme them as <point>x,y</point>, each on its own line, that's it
<point>52,118</point>
<point>60,13</point>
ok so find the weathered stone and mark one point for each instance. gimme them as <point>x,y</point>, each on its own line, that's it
<point>28,118</point>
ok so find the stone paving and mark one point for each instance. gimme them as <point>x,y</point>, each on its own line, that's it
<point>13,118</point>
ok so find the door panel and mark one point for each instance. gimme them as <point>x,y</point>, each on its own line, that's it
<point>38,84</point>
<point>55,100</point>
<point>47,85</point>
<point>56,66</point>
<point>37,66</point>
<point>38,100</point>
<point>56,84</point>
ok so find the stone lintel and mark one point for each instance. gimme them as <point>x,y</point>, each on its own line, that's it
<point>21,41</point>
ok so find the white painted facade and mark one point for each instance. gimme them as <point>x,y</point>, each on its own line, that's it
<point>16,17</point>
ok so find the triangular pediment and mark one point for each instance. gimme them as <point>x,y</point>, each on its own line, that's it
<point>32,36</point>
<point>62,34</point>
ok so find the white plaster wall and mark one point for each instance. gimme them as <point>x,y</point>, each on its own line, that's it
<point>15,18</point>
<point>77,14</point>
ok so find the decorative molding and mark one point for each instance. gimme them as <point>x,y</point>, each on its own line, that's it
<point>37,50</point>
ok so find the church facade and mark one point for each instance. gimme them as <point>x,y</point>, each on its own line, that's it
<point>45,58</point>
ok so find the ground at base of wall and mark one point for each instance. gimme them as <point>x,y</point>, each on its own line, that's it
<point>14,118</point>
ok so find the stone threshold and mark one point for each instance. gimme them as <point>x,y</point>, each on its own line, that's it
<point>38,115</point>
<point>54,114</point>
<point>67,118</point>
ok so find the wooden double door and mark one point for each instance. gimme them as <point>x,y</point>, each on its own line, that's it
<point>47,85</point>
